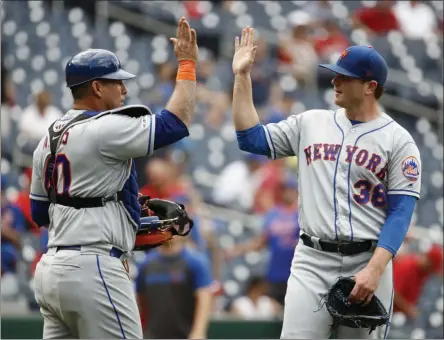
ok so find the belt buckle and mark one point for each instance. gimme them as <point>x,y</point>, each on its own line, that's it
<point>339,248</point>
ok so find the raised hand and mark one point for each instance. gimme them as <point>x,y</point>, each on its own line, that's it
<point>185,43</point>
<point>244,52</point>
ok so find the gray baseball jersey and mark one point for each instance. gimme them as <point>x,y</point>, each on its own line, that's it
<point>87,293</point>
<point>94,158</point>
<point>346,171</point>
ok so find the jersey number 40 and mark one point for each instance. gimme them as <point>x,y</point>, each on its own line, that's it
<point>62,171</point>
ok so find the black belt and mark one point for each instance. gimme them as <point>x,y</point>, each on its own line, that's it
<point>85,202</point>
<point>341,247</point>
<point>114,252</point>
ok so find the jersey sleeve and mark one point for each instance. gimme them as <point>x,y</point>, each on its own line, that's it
<point>404,170</point>
<point>37,190</point>
<point>122,137</point>
<point>283,137</point>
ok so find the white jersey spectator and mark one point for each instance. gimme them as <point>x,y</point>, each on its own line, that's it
<point>255,304</point>
<point>237,183</point>
<point>38,117</point>
<point>416,19</point>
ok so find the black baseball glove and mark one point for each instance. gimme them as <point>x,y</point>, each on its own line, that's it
<point>353,315</point>
<point>161,220</point>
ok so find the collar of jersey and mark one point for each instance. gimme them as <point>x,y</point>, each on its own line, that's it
<point>91,113</point>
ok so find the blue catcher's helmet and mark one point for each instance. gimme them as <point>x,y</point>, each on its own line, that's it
<point>94,64</point>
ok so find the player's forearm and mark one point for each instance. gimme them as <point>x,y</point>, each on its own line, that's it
<point>381,257</point>
<point>255,244</point>
<point>244,112</point>
<point>204,300</point>
<point>183,100</point>
<point>10,234</point>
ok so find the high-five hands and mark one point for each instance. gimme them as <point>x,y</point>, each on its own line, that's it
<point>185,43</point>
<point>244,52</point>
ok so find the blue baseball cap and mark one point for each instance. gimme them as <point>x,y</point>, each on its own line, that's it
<point>361,62</point>
<point>94,64</point>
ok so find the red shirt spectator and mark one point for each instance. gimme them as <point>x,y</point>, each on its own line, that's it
<point>192,9</point>
<point>334,41</point>
<point>24,203</point>
<point>161,181</point>
<point>165,191</point>
<point>380,19</point>
<point>410,273</point>
<point>269,192</point>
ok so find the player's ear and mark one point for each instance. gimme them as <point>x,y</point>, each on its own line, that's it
<point>97,88</point>
<point>370,87</point>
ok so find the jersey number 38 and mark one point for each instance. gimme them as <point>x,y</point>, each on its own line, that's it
<point>376,194</point>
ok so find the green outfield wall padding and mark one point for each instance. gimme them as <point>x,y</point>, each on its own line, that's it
<point>30,327</point>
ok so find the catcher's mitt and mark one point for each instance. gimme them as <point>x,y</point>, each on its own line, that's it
<point>353,315</point>
<point>160,221</point>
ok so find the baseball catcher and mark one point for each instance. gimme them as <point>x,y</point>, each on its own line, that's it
<point>161,220</point>
<point>84,189</point>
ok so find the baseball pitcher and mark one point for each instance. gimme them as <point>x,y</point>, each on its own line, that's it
<point>84,190</point>
<point>359,178</point>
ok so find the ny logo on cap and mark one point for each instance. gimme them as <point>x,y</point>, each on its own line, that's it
<point>343,54</point>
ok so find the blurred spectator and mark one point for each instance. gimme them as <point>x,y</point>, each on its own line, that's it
<point>24,202</point>
<point>193,9</point>
<point>203,237</point>
<point>268,193</point>
<point>255,304</point>
<point>280,235</point>
<point>237,183</point>
<point>158,97</point>
<point>416,19</point>
<point>174,292</point>
<point>262,73</point>
<point>281,109</point>
<point>320,11</point>
<point>297,54</point>
<point>7,119</point>
<point>377,20</point>
<point>406,246</point>
<point>37,118</point>
<point>195,239</point>
<point>159,175</point>
<point>410,274</point>
<point>204,71</point>
<point>333,40</point>
<point>13,225</point>
<point>7,90</point>
<point>43,247</point>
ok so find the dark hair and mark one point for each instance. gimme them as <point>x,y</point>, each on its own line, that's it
<point>81,91</point>
<point>254,282</point>
<point>379,91</point>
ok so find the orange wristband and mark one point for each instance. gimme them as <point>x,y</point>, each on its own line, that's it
<point>187,70</point>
